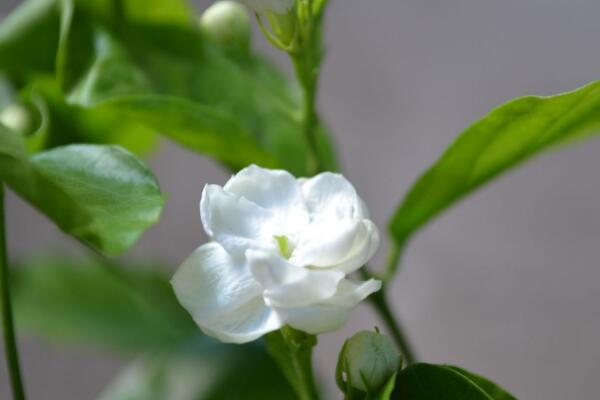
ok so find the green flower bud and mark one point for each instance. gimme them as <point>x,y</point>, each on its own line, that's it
<point>367,361</point>
<point>228,24</point>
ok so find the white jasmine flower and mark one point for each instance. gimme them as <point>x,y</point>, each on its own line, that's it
<point>276,6</point>
<point>280,253</point>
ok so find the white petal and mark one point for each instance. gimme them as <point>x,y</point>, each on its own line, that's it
<point>327,243</point>
<point>330,315</point>
<point>274,190</point>
<point>364,247</point>
<point>211,282</point>
<point>288,285</point>
<point>244,324</point>
<point>331,196</point>
<point>350,293</point>
<point>315,319</point>
<point>343,245</point>
<point>222,296</point>
<point>234,221</point>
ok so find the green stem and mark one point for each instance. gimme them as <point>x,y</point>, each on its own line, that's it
<point>292,350</point>
<point>307,77</point>
<point>379,301</point>
<point>10,344</point>
<point>393,263</point>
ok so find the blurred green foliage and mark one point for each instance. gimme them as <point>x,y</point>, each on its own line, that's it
<point>131,310</point>
<point>114,64</point>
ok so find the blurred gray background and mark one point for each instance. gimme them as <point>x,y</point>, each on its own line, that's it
<point>508,283</point>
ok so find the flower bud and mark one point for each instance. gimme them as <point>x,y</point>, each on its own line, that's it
<point>17,118</point>
<point>367,361</point>
<point>227,23</point>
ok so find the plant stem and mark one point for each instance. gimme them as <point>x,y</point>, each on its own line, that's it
<point>292,350</point>
<point>305,375</point>
<point>307,60</point>
<point>379,301</point>
<point>307,77</point>
<point>10,345</point>
<point>393,263</point>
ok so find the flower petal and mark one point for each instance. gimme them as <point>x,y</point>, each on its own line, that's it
<point>350,292</point>
<point>345,245</point>
<point>325,244</point>
<point>211,282</point>
<point>315,319</point>
<point>365,245</point>
<point>274,190</point>
<point>235,222</point>
<point>288,285</point>
<point>330,315</point>
<point>222,296</point>
<point>244,324</point>
<point>330,196</point>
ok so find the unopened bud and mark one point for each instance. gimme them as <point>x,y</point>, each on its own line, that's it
<point>228,24</point>
<point>367,361</point>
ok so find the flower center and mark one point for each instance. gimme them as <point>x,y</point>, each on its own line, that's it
<point>285,249</point>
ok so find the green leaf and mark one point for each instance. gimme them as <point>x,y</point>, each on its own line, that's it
<point>29,39</point>
<point>435,382</point>
<point>111,74</point>
<point>115,307</point>
<point>61,123</point>
<point>506,137</point>
<point>493,390</point>
<point>102,195</point>
<point>173,12</point>
<point>192,125</point>
<point>177,12</point>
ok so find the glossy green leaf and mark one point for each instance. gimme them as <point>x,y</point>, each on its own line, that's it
<point>120,308</point>
<point>102,195</point>
<point>435,382</point>
<point>501,140</point>
<point>492,389</point>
